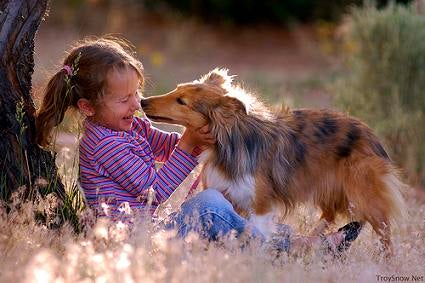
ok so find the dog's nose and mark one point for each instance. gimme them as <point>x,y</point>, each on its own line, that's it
<point>144,103</point>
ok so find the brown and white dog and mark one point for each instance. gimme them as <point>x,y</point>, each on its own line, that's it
<point>266,162</point>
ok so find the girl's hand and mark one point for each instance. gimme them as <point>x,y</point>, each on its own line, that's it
<point>196,137</point>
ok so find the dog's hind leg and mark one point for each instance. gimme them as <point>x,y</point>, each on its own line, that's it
<point>373,191</point>
<point>327,218</point>
<point>320,228</point>
<point>382,227</point>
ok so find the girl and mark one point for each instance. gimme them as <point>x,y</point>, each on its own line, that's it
<point>118,150</point>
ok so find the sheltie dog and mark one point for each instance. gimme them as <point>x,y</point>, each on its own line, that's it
<point>265,162</point>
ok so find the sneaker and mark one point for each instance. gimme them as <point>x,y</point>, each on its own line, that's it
<point>350,231</point>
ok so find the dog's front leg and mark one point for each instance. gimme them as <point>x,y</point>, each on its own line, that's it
<point>263,212</point>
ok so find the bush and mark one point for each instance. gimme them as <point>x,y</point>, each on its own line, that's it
<point>386,80</point>
<point>254,12</point>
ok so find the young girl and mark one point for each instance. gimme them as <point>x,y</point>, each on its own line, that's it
<point>118,150</point>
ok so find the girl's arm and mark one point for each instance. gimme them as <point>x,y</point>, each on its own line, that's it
<point>162,143</point>
<point>116,159</point>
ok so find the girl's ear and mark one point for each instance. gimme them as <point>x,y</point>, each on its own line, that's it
<point>85,107</point>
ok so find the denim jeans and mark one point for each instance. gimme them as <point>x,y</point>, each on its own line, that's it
<point>212,217</point>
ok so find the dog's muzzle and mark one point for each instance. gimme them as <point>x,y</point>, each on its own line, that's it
<point>144,103</point>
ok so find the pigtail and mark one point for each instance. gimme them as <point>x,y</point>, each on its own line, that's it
<point>57,98</point>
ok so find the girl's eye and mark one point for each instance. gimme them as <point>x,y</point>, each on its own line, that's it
<point>180,101</point>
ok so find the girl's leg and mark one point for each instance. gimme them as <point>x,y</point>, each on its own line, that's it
<point>210,215</point>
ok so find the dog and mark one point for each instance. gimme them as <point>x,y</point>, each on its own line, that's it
<point>265,161</point>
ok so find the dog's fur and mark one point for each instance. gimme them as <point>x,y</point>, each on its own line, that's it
<point>267,161</point>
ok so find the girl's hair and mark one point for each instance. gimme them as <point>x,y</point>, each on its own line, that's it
<point>84,76</point>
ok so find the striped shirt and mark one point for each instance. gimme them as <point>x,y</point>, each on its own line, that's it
<point>117,168</point>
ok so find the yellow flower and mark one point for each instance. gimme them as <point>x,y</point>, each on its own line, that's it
<point>157,59</point>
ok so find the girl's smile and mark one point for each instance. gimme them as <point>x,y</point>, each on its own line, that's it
<point>116,109</point>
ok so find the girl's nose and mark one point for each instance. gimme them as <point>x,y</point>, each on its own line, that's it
<point>136,102</point>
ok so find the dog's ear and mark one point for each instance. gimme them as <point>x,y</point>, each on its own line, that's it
<point>224,116</point>
<point>228,128</point>
<point>234,105</point>
<point>224,110</point>
<point>217,77</point>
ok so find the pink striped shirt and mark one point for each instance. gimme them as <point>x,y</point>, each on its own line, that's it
<point>118,168</point>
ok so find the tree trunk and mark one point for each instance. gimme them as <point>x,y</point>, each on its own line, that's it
<point>22,163</point>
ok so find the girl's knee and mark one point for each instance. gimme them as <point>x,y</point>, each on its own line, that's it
<point>208,199</point>
<point>210,195</point>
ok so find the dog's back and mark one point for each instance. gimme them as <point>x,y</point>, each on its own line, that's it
<point>339,163</point>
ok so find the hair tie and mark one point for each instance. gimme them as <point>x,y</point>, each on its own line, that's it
<point>68,70</point>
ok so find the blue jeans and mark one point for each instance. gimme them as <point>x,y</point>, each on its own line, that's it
<point>212,217</point>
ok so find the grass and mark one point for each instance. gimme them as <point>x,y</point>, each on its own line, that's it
<point>111,253</point>
<point>19,115</point>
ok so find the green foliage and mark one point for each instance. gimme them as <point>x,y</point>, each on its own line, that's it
<point>386,80</point>
<point>73,205</point>
<point>266,11</point>
<point>20,116</point>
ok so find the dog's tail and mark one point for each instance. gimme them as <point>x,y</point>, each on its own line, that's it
<point>374,191</point>
<point>393,187</point>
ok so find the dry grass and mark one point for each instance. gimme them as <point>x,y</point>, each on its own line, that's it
<point>112,253</point>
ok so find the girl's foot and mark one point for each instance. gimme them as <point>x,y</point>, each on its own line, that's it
<point>336,243</point>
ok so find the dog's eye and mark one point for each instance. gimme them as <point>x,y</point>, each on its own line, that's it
<point>180,101</point>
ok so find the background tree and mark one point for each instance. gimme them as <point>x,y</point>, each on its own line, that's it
<point>23,164</point>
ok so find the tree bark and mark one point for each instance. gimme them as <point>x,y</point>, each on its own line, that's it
<point>22,163</point>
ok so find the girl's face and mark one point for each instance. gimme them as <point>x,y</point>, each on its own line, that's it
<point>117,107</point>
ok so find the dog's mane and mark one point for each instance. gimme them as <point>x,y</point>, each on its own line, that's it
<point>247,136</point>
<point>250,136</point>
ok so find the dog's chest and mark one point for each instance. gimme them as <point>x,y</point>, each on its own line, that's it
<point>241,191</point>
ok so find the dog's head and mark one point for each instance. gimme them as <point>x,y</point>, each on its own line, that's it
<point>197,103</point>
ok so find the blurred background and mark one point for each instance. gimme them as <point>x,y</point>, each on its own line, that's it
<point>365,58</point>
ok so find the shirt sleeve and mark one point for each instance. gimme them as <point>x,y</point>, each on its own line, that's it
<point>162,143</point>
<point>121,161</point>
